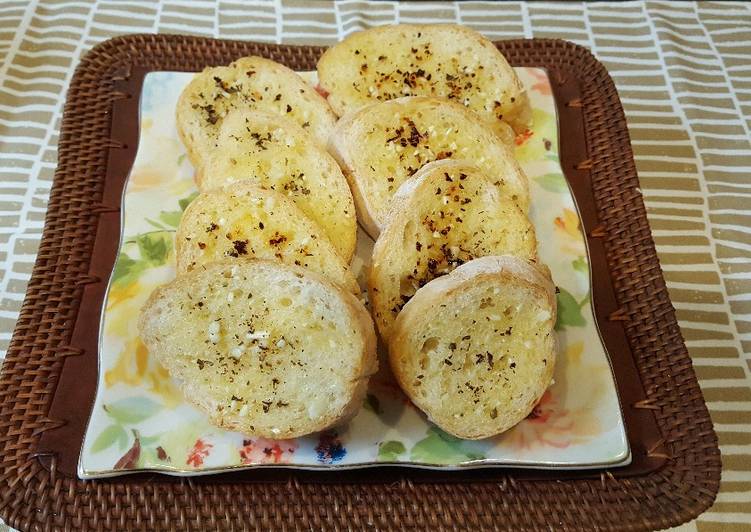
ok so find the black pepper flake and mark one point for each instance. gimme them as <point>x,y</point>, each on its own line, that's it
<point>494,413</point>
<point>452,346</point>
<point>241,247</point>
<point>277,97</point>
<point>418,246</point>
<point>266,406</point>
<point>260,225</point>
<point>211,227</point>
<point>447,362</point>
<point>235,398</point>
<point>202,245</point>
<point>289,108</point>
<point>490,359</point>
<point>278,239</point>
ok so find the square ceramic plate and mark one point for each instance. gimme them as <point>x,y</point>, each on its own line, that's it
<point>140,421</point>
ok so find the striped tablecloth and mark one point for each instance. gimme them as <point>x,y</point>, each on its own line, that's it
<point>683,71</point>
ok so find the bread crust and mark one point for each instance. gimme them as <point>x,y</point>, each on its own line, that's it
<point>156,328</point>
<point>443,60</point>
<point>494,272</point>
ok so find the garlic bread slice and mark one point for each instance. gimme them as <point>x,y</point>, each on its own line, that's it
<point>475,350</point>
<point>442,60</point>
<point>246,221</point>
<point>263,348</point>
<point>272,151</point>
<point>382,145</point>
<point>445,215</point>
<point>248,83</point>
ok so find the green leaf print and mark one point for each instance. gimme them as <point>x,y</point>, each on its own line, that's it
<point>155,247</point>
<point>389,451</point>
<point>441,448</point>
<point>171,218</point>
<point>154,223</point>
<point>108,437</point>
<point>132,409</point>
<point>580,265</point>
<point>186,201</point>
<point>552,182</point>
<point>125,267</point>
<point>569,310</point>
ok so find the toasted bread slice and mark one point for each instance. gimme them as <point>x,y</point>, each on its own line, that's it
<point>263,348</point>
<point>445,215</point>
<point>272,151</point>
<point>245,221</point>
<point>444,60</point>
<point>248,83</point>
<point>382,145</point>
<point>475,350</point>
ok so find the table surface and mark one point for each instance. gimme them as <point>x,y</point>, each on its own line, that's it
<point>683,71</point>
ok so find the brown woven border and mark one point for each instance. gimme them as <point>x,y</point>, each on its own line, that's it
<point>34,494</point>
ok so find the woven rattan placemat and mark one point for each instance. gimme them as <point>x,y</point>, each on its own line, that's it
<point>50,371</point>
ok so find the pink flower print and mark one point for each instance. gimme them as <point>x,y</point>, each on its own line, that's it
<point>548,425</point>
<point>542,83</point>
<point>263,451</point>
<point>198,453</point>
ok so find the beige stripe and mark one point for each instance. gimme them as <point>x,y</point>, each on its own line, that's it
<point>681,295</point>
<point>665,166</point>
<point>723,526</point>
<point>131,8</point>
<point>722,372</point>
<point>729,252</point>
<point>190,11</point>
<point>734,486</point>
<point>714,352</point>
<point>674,239</point>
<point>729,202</point>
<point>731,417</point>
<point>741,307</point>
<point>735,393</point>
<point>693,76</point>
<point>123,21</point>
<point>714,143</point>
<point>732,234</point>
<point>690,334</point>
<point>737,462</point>
<point>685,258</point>
<point>670,183</point>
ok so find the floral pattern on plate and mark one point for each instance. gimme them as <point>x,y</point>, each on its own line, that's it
<point>140,420</point>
